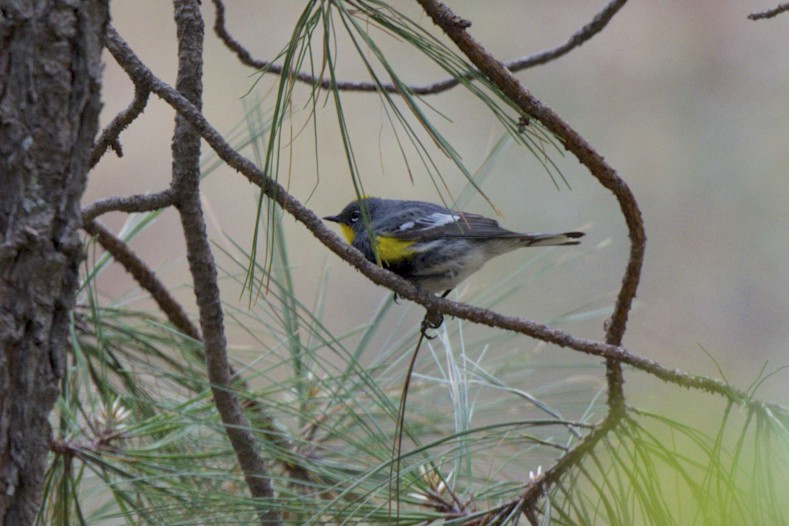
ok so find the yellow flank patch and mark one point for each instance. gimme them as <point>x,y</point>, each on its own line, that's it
<point>392,250</point>
<point>347,233</point>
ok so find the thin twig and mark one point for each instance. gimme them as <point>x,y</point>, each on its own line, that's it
<point>770,13</point>
<point>109,137</point>
<point>581,36</point>
<point>584,34</point>
<point>139,73</point>
<point>131,204</point>
<point>186,190</point>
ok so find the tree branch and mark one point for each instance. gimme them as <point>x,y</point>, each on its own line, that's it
<point>131,204</point>
<point>109,137</point>
<point>186,190</point>
<point>584,34</point>
<point>770,13</point>
<point>581,36</point>
<point>537,487</point>
<point>455,28</point>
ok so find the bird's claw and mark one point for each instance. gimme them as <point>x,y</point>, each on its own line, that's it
<point>432,320</point>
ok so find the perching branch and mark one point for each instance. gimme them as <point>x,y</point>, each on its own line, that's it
<point>455,28</point>
<point>581,36</point>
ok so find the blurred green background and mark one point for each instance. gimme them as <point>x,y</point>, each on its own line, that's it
<point>688,101</point>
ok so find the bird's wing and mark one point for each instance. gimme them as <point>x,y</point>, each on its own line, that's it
<point>449,224</point>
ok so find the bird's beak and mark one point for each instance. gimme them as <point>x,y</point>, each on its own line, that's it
<point>333,219</point>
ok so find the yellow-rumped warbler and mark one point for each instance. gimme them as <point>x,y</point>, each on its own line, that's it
<point>433,247</point>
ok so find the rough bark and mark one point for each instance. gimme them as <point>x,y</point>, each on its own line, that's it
<point>49,104</point>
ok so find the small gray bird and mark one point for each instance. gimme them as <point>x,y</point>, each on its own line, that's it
<point>433,247</point>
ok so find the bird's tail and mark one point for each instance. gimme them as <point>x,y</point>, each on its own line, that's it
<point>544,240</point>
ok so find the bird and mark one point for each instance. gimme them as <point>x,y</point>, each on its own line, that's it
<point>431,246</point>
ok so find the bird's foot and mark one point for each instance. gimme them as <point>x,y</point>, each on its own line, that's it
<point>432,320</point>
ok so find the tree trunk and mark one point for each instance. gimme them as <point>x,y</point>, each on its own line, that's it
<point>50,76</point>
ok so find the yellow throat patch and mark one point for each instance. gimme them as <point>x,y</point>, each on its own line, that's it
<point>347,233</point>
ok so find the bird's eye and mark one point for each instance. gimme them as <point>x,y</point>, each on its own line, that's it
<point>355,216</point>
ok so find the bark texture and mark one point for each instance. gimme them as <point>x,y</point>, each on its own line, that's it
<point>50,74</point>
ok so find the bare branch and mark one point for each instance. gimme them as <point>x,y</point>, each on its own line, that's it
<point>581,36</point>
<point>186,190</point>
<point>109,137</point>
<point>131,204</point>
<point>770,13</point>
